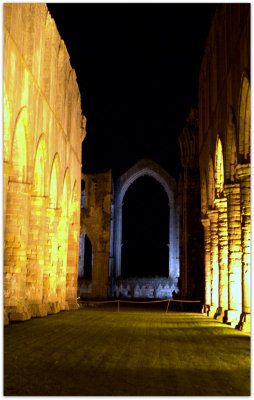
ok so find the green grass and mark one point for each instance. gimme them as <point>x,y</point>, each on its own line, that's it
<point>95,352</point>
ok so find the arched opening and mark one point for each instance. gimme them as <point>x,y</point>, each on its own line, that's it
<point>85,257</point>
<point>145,230</point>
<point>19,149</point>
<point>85,266</point>
<point>219,169</point>
<point>244,122</point>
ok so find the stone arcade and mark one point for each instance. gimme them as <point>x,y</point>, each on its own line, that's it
<point>224,160</point>
<point>101,219</point>
<point>43,131</point>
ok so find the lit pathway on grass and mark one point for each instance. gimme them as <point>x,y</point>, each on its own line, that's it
<point>95,352</point>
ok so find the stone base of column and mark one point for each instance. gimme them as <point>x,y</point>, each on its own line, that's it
<point>19,313</point>
<point>219,314</point>
<point>212,311</point>
<point>53,307</point>
<point>38,310</point>
<point>71,305</point>
<point>244,323</point>
<point>232,317</point>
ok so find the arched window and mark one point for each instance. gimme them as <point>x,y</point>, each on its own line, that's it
<point>19,148</point>
<point>219,169</point>
<point>53,192</point>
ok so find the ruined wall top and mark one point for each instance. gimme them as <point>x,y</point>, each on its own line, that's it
<point>34,36</point>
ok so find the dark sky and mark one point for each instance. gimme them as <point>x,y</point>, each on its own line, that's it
<point>137,68</point>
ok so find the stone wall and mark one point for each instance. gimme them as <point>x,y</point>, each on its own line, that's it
<point>43,131</point>
<point>95,222</point>
<point>224,159</point>
<point>191,230</point>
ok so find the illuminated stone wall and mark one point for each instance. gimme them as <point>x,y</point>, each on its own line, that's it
<point>191,230</point>
<point>224,146</point>
<point>43,131</point>
<point>95,222</point>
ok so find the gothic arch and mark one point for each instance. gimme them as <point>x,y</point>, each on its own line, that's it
<point>148,167</point>
<point>244,121</point>
<point>39,178</point>
<point>19,154</point>
<point>219,168</point>
<point>54,183</point>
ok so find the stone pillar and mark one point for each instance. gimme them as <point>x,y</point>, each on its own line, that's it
<point>62,261</point>
<point>15,251</point>
<point>72,267</point>
<point>221,205</point>
<point>100,274</point>
<point>35,256</point>
<point>51,260</point>
<point>7,173</point>
<point>232,192</point>
<point>207,242</point>
<point>243,173</point>
<point>81,260</point>
<point>213,216</point>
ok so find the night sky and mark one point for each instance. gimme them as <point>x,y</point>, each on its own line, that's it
<point>137,68</point>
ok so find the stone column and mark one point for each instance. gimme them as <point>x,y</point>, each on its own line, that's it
<point>7,173</point>
<point>221,205</point>
<point>35,256</point>
<point>232,192</point>
<point>207,243</point>
<point>100,274</point>
<point>51,260</point>
<point>72,266</point>
<point>62,261</point>
<point>214,261</point>
<point>243,173</point>
<point>15,251</point>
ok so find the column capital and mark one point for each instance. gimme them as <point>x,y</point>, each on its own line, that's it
<point>243,171</point>
<point>231,188</point>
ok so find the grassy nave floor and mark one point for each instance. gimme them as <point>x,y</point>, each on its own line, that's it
<point>95,352</point>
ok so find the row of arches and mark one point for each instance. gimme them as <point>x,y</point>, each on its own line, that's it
<point>41,227</point>
<point>226,216</point>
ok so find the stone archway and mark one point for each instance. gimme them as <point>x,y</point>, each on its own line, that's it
<point>148,167</point>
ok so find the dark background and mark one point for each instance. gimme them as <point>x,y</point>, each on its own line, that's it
<point>137,68</point>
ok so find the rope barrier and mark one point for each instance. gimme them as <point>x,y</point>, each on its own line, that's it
<point>137,302</point>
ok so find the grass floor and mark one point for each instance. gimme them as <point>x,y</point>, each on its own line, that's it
<point>95,352</point>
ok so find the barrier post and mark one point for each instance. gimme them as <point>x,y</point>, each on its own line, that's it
<point>167,306</point>
<point>118,305</point>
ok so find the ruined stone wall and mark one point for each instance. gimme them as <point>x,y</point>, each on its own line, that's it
<point>95,222</point>
<point>224,158</point>
<point>43,131</point>
<point>191,231</point>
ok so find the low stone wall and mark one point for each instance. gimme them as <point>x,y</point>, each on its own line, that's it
<point>158,288</point>
<point>84,288</point>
